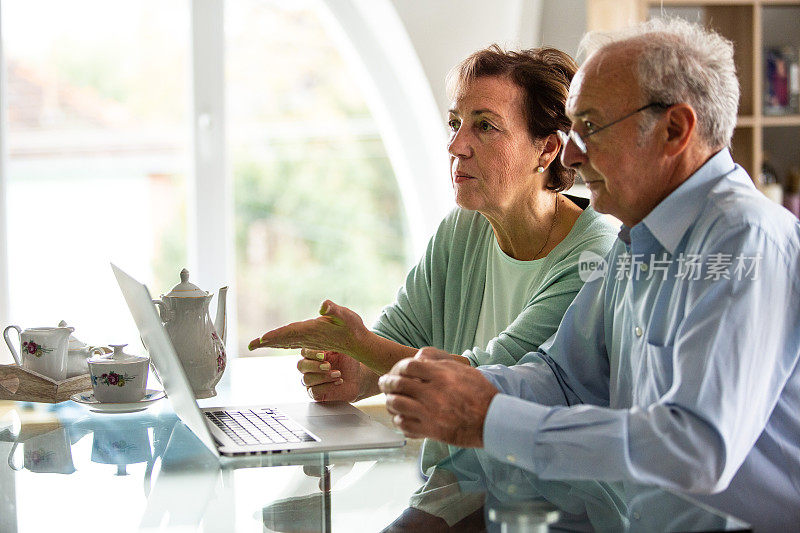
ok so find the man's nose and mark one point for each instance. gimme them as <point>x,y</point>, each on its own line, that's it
<point>571,155</point>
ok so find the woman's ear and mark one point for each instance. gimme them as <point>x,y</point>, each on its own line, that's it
<point>550,148</point>
<point>681,122</point>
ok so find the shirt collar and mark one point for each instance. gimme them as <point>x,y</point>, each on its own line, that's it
<point>671,218</point>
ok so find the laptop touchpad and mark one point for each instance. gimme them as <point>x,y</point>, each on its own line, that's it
<point>336,421</point>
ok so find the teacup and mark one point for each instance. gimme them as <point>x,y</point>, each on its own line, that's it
<point>118,377</point>
<point>43,350</point>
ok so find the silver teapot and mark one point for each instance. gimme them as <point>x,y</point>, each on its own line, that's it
<point>199,343</point>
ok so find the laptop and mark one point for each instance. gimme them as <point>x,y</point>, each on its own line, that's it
<point>305,427</point>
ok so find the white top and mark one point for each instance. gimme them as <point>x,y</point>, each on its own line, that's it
<point>510,285</point>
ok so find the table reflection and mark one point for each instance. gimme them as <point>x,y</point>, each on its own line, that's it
<point>149,468</point>
<point>470,491</point>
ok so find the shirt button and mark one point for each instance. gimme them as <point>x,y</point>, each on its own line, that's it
<point>643,267</point>
<point>638,331</point>
<point>512,489</point>
<point>511,458</point>
<point>636,516</point>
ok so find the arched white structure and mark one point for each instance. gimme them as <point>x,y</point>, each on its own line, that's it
<point>401,51</point>
<point>375,44</point>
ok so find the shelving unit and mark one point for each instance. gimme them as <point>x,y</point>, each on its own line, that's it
<point>752,25</point>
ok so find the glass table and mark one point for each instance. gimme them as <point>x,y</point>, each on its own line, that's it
<point>70,469</point>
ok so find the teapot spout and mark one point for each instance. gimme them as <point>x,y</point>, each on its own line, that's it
<point>219,322</point>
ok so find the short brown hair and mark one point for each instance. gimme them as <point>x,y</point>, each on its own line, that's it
<point>544,75</point>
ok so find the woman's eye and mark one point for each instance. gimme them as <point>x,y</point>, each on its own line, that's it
<point>453,124</point>
<point>485,126</point>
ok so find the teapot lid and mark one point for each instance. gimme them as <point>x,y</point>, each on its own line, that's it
<point>117,356</point>
<point>184,289</point>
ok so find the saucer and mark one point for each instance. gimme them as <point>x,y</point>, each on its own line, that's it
<point>87,398</point>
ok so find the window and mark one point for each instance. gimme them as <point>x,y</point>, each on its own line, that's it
<point>317,209</point>
<point>97,156</point>
<point>99,165</point>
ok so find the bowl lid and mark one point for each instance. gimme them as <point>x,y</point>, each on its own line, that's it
<point>185,289</point>
<point>117,356</point>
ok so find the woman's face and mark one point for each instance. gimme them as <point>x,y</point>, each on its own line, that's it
<point>493,160</point>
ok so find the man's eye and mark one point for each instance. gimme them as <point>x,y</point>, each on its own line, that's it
<point>484,125</point>
<point>589,126</point>
<point>453,124</point>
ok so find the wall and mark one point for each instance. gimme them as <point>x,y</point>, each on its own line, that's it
<point>443,32</point>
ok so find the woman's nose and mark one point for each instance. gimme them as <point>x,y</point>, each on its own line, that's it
<point>459,145</point>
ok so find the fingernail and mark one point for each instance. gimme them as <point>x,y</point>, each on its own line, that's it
<point>323,309</point>
<point>320,356</point>
<point>336,374</point>
<point>325,366</point>
<point>338,382</point>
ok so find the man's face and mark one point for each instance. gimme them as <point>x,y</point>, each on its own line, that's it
<point>621,167</point>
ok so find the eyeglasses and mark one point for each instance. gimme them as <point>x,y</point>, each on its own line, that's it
<point>579,139</point>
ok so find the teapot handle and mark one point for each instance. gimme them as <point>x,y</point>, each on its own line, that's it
<point>162,310</point>
<point>10,345</point>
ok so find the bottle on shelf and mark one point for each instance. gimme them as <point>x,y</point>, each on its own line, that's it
<point>782,81</point>
<point>768,182</point>
<point>791,196</point>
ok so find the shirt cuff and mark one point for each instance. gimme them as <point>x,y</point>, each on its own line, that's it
<point>473,361</point>
<point>510,430</point>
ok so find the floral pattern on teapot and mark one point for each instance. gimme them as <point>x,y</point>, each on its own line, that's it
<point>221,358</point>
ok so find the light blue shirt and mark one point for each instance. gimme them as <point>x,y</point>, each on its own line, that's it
<point>668,374</point>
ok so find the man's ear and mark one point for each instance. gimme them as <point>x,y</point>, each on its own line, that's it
<point>681,121</point>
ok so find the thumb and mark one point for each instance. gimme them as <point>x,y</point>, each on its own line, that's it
<point>332,311</point>
<point>432,354</point>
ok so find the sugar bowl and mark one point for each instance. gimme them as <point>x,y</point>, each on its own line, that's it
<point>118,377</point>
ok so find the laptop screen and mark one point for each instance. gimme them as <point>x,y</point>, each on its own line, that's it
<point>163,356</point>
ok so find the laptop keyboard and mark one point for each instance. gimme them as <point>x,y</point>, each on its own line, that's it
<point>260,426</point>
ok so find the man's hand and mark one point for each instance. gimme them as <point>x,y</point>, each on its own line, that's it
<point>431,395</point>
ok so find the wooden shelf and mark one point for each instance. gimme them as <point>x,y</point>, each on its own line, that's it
<point>745,121</point>
<point>701,3</point>
<point>780,120</point>
<point>752,25</point>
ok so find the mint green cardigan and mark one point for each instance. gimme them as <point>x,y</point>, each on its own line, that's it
<point>440,303</point>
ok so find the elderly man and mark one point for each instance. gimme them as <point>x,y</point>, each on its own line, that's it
<point>677,365</point>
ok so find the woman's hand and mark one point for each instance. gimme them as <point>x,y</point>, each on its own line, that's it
<point>338,330</point>
<point>332,376</point>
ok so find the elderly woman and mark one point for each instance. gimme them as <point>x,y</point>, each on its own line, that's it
<point>503,266</point>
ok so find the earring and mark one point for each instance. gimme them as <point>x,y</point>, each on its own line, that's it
<point>540,169</point>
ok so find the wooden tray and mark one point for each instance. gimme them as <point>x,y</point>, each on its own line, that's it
<point>22,385</point>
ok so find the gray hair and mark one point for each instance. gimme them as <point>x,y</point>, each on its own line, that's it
<point>680,61</point>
